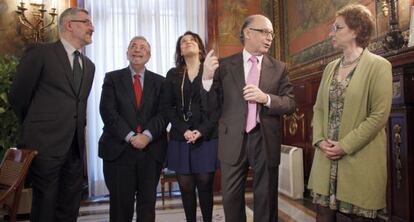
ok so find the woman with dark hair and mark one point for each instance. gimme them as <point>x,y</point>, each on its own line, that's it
<point>192,149</point>
<point>349,173</point>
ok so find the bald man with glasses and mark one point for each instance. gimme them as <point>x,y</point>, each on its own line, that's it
<point>248,93</point>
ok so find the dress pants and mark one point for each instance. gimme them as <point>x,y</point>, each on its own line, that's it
<point>134,175</point>
<point>57,186</point>
<point>265,182</point>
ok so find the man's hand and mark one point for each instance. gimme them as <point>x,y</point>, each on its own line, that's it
<point>140,141</point>
<point>211,63</point>
<point>252,93</point>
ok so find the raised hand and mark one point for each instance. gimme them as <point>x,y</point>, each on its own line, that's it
<point>211,63</point>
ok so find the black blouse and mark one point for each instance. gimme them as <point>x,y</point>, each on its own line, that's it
<point>185,108</point>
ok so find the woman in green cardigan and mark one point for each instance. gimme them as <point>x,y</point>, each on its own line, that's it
<point>349,172</point>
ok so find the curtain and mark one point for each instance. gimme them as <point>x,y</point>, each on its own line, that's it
<point>161,22</point>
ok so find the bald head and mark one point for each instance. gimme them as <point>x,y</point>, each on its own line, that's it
<point>248,22</point>
<point>257,34</point>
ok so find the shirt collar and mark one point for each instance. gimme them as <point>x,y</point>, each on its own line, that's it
<point>68,47</point>
<point>140,72</point>
<point>247,55</point>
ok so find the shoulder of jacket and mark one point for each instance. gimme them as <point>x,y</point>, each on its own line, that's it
<point>156,76</point>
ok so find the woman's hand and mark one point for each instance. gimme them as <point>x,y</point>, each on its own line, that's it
<point>332,149</point>
<point>188,134</point>
<point>193,136</point>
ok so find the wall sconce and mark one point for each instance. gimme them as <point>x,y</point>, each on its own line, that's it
<point>37,24</point>
<point>384,7</point>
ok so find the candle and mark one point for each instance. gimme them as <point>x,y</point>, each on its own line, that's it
<point>411,36</point>
<point>36,1</point>
<point>53,4</point>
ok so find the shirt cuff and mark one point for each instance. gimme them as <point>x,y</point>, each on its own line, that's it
<point>129,136</point>
<point>317,143</point>
<point>148,133</point>
<point>268,101</point>
<point>207,84</point>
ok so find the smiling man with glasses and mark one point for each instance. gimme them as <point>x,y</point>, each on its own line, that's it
<point>49,95</point>
<point>249,92</point>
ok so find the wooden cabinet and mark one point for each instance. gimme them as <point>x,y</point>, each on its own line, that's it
<point>297,129</point>
<point>401,139</point>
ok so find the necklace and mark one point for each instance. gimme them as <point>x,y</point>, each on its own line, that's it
<point>345,64</point>
<point>186,115</point>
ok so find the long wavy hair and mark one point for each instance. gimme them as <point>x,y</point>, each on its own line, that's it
<point>179,59</point>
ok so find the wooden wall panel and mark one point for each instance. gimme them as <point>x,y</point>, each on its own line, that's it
<point>305,90</point>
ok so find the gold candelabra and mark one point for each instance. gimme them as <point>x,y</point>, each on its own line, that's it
<point>384,7</point>
<point>38,23</point>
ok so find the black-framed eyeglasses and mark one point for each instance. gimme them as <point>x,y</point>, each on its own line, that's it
<point>264,32</point>
<point>336,28</point>
<point>84,21</point>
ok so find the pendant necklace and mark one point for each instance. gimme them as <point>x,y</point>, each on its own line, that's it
<point>186,115</point>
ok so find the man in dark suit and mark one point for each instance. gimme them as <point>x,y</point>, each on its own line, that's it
<point>133,143</point>
<point>250,92</point>
<point>49,95</point>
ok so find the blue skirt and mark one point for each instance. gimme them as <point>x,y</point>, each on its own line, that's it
<point>184,158</point>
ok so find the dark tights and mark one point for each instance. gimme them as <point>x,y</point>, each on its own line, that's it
<point>325,214</point>
<point>204,184</point>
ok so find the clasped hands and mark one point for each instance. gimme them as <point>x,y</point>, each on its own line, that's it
<point>251,92</point>
<point>192,135</point>
<point>140,141</point>
<point>331,149</point>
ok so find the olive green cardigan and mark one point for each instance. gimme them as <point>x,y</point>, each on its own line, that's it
<point>362,173</point>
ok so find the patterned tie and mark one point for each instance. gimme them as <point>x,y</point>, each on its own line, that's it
<point>252,78</point>
<point>77,71</point>
<point>138,95</point>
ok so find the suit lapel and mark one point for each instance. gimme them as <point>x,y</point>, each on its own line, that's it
<point>85,72</point>
<point>148,87</point>
<point>237,71</point>
<point>63,58</point>
<point>267,74</point>
<point>126,80</point>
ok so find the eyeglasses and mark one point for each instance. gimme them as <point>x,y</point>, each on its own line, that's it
<point>336,28</point>
<point>264,32</point>
<point>85,21</point>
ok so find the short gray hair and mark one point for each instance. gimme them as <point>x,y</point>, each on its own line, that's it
<point>139,37</point>
<point>68,14</point>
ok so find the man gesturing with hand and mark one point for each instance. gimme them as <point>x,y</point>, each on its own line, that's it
<point>247,94</point>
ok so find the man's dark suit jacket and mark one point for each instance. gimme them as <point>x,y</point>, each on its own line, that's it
<point>227,103</point>
<point>120,115</point>
<point>47,106</point>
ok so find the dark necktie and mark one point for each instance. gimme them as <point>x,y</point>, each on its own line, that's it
<point>77,71</point>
